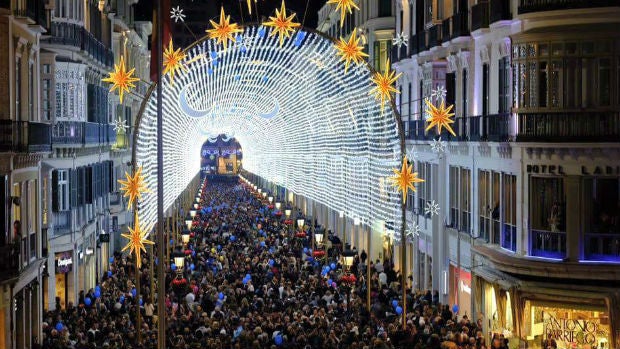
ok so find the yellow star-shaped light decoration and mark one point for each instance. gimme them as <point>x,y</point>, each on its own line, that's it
<point>344,6</point>
<point>121,79</point>
<point>134,186</point>
<point>282,24</point>
<point>405,179</point>
<point>439,117</point>
<point>224,30</point>
<point>173,61</point>
<point>350,51</point>
<point>137,240</point>
<point>384,84</point>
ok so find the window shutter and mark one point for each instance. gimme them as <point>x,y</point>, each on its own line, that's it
<point>89,184</point>
<point>55,198</point>
<point>73,184</point>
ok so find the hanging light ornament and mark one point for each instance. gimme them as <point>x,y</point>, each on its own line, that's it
<point>133,187</point>
<point>439,117</point>
<point>137,240</point>
<point>224,30</point>
<point>384,84</point>
<point>350,51</point>
<point>121,79</point>
<point>344,6</point>
<point>173,61</point>
<point>282,24</point>
<point>405,179</point>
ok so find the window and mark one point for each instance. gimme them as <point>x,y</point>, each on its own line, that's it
<point>18,88</point>
<point>485,89</point>
<point>460,207</point>
<point>31,91</point>
<point>484,206</point>
<point>504,85</point>
<point>548,217</point>
<point>464,94</point>
<point>385,8</point>
<point>562,74</point>
<point>60,190</point>
<point>601,217</point>
<point>381,52</point>
<point>509,214</point>
<point>46,99</point>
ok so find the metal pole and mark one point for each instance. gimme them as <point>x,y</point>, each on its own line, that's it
<point>403,262</point>
<point>161,277</point>
<point>137,300</point>
<point>368,259</point>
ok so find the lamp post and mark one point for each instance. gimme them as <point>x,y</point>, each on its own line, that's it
<point>179,261</point>
<point>188,222</point>
<point>300,223</point>
<point>344,228</point>
<point>287,213</point>
<point>278,205</point>
<point>348,256</point>
<point>270,199</point>
<point>185,235</point>
<point>196,206</point>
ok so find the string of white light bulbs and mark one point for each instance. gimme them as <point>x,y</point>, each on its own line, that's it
<point>302,124</point>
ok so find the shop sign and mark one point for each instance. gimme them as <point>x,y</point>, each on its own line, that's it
<point>584,170</point>
<point>572,330</point>
<point>64,262</point>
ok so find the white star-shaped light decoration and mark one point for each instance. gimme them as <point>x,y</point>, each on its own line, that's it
<point>412,154</point>
<point>439,94</point>
<point>431,208</point>
<point>176,13</point>
<point>120,125</point>
<point>438,145</point>
<point>413,231</point>
<point>400,40</point>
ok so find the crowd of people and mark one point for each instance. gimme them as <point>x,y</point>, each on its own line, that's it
<point>249,281</point>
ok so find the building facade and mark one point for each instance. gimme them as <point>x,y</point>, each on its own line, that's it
<point>62,153</point>
<point>24,145</point>
<point>527,238</point>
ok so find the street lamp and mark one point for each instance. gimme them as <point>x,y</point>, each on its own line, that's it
<point>300,223</point>
<point>278,205</point>
<point>198,199</point>
<point>192,213</point>
<point>188,222</point>
<point>318,236</point>
<point>179,259</point>
<point>270,199</point>
<point>348,256</point>
<point>264,194</point>
<point>196,205</point>
<point>260,190</point>
<point>287,212</point>
<point>185,236</point>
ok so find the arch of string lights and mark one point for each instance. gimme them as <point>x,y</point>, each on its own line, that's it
<point>302,124</point>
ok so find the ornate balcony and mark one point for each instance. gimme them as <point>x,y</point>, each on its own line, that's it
<point>82,133</point>
<point>528,6</point>
<point>602,247</point>
<point>70,34</point>
<point>25,136</point>
<point>548,244</point>
<point>569,127</point>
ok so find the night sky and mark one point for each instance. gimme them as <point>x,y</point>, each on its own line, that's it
<point>203,10</point>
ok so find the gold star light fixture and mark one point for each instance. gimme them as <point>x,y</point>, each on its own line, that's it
<point>224,30</point>
<point>405,179</point>
<point>173,61</point>
<point>439,117</point>
<point>121,79</point>
<point>344,6</point>
<point>282,24</point>
<point>350,51</point>
<point>384,84</point>
<point>133,187</point>
<point>137,240</point>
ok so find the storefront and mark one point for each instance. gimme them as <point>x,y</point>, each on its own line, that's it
<point>569,326</point>
<point>64,277</point>
<point>460,290</point>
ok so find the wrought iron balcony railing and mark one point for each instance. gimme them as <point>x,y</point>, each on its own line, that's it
<point>480,16</point>
<point>499,10</point>
<point>25,136</point>
<point>569,127</point>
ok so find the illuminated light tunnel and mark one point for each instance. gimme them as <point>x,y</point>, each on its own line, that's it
<point>301,121</point>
